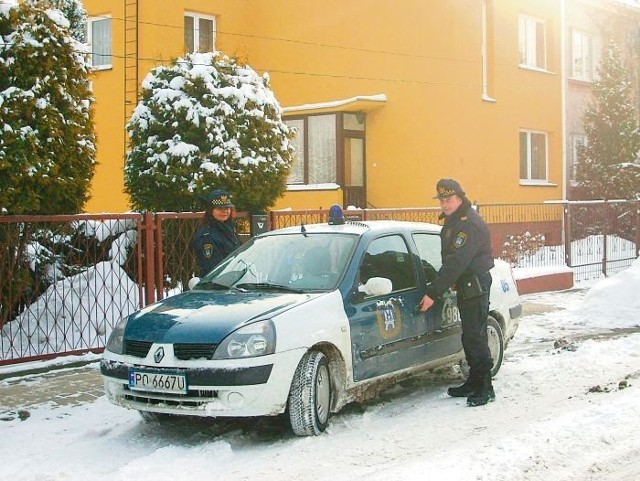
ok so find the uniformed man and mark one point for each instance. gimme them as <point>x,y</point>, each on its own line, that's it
<point>466,261</point>
<point>216,238</point>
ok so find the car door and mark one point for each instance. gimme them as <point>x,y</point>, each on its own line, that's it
<point>384,325</point>
<point>443,318</point>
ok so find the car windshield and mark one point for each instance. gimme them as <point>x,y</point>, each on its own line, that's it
<point>286,262</point>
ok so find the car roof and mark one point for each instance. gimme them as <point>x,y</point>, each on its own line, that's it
<point>359,227</point>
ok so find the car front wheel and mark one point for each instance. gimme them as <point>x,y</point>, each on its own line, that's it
<point>310,395</point>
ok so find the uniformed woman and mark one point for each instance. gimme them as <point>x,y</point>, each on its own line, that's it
<point>216,238</point>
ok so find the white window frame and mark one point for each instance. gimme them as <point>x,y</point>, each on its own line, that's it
<point>576,140</point>
<point>582,64</point>
<point>529,42</point>
<point>485,51</point>
<point>105,54</point>
<point>196,30</point>
<point>529,151</point>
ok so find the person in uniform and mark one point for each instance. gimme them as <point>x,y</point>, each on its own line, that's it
<point>466,261</point>
<point>216,238</point>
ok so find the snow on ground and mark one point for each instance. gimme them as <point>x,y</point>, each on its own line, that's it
<point>567,408</point>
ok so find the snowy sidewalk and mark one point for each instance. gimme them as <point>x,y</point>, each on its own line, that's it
<point>57,387</point>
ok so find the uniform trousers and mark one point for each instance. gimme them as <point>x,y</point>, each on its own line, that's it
<point>473,313</point>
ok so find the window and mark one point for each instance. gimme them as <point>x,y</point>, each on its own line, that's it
<point>322,152</point>
<point>330,154</point>
<point>533,156</point>
<point>581,56</point>
<point>388,257</point>
<point>316,153</point>
<point>487,47</point>
<point>429,248</point>
<point>199,33</point>
<point>532,43</point>
<point>297,172</point>
<point>99,36</point>
<point>577,141</point>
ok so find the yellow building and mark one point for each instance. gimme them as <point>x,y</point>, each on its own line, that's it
<point>389,96</point>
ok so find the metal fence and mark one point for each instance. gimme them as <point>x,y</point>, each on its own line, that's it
<point>65,281</point>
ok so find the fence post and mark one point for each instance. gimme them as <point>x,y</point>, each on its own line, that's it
<point>605,231</point>
<point>271,223</point>
<point>149,259</point>
<point>567,235</point>
<point>158,260</point>
<point>637,228</point>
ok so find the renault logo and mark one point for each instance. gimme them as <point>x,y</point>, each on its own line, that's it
<point>159,355</point>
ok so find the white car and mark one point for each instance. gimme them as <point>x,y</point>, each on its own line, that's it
<point>301,320</point>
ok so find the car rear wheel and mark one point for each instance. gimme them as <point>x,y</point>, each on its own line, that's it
<point>495,339</point>
<point>496,344</point>
<point>310,395</point>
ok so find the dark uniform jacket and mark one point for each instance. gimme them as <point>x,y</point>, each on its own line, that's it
<point>213,242</point>
<point>465,249</point>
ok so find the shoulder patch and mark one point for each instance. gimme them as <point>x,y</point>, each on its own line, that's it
<point>460,239</point>
<point>207,250</point>
<point>464,217</point>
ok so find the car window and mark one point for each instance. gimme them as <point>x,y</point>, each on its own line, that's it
<point>428,246</point>
<point>388,257</point>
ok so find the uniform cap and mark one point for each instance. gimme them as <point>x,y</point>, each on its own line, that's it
<point>220,198</point>
<point>447,188</point>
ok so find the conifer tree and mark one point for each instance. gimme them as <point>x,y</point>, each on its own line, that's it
<point>608,166</point>
<point>206,122</point>
<point>47,152</point>
<point>76,14</point>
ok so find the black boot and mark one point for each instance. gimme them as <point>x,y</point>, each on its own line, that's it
<point>484,392</point>
<point>467,389</point>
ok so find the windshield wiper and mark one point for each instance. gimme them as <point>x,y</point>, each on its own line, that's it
<point>268,286</point>
<point>216,286</point>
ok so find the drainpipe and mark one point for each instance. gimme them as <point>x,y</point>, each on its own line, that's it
<point>563,76</point>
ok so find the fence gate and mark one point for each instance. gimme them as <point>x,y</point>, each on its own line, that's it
<point>601,237</point>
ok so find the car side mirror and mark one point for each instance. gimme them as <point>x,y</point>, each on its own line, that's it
<point>376,286</point>
<point>192,282</point>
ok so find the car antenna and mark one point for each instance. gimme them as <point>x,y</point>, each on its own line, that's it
<point>303,230</point>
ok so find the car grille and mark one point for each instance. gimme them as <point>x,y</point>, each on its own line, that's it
<point>194,351</point>
<point>137,348</point>
<point>183,352</point>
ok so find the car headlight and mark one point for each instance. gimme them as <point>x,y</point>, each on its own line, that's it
<point>257,339</point>
<point>115,343</point>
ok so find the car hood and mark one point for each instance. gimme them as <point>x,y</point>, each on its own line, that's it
<point>205,316</point>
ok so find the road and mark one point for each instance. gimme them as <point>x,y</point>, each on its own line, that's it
<point>567,409</point>
<point>69,386</point>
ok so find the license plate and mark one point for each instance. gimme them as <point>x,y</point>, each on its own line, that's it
<point>170,383</point>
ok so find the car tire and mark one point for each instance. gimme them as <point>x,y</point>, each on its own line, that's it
<point>496,346</point>
<point>310,396</point>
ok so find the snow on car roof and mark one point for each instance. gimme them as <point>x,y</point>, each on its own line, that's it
<point>359,227</point>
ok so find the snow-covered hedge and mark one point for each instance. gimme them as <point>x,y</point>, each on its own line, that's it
<point>47,151</point>
<point>206,122</point>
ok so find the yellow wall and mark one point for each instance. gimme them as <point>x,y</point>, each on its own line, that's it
<point>108,89</point>
<point>424,56</point>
